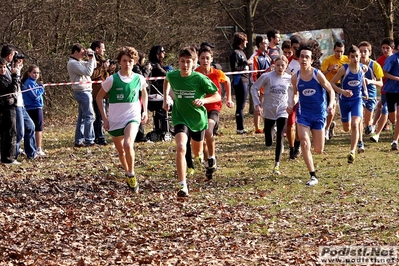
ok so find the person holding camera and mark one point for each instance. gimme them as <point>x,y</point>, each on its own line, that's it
<point>142,68</point>
<point>80,72</point>
<point>156,58</point>
<point>8,100</point>
<point>24,124</point>
<point>104,68</point>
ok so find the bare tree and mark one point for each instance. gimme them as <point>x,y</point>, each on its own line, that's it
<point>45,30</point>
<point>388,8</point>
<point>245,9</point>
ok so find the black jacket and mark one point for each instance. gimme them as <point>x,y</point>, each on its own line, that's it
<point>9,88</point>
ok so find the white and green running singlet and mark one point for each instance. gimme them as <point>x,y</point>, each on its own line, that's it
<point>124,102</point>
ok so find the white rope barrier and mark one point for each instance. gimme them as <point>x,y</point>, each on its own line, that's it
<point>100,81</point>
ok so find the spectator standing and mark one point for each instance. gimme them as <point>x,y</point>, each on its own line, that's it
<point>80,72</point>
<point>261,63</point>
<point>156,58</point>
<point>100,73</point>
<point>144,69</point>
<point>239,62</point>
<point>25,125</point>
<point>8,103</point>
<point>274,49</point>
<point>33,99</point>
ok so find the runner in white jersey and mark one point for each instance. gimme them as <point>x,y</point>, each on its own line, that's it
<point>124,115</point>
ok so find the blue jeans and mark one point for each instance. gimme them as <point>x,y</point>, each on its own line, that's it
<point>84,132</point>
<point>98,122</point>
<point>25,130</point>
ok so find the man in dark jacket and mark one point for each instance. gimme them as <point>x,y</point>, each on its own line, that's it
<point>101,72</point>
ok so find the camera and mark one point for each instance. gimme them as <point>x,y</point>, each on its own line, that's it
<point>89,52</point>
<point>17,57</point>
<point>112,62</point>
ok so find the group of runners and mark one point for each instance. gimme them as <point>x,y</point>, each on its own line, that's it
<point>304,93</point>
<point>355,79</point>
<point>299,91</point>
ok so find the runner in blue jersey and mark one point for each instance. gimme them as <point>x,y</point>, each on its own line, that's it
<point>353,82</point>
<point>309,87</point>
<point>391,88</point>
<point>373,80</point>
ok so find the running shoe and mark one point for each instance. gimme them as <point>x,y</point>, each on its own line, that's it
<point>368,130</point>
<point>292,150</point>
<point>183,192</point>
<point>331,130</point>
<point>360,147</point>
<point>374,137</point>
<point>327,135</point>
<point>313,181</point>
<point>241,131</point>
<point>132,183</point>
<point>276,170</point>
<point>351,157</point>
<point>190,171</point>
<point>394,146</point>
<point>211,165</point>
<point>297,152</point>
<point>199,160</point>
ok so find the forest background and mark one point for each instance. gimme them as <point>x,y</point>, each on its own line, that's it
<point>45,30</point>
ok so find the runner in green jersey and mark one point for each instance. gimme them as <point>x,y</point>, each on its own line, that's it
<point>189,116</point>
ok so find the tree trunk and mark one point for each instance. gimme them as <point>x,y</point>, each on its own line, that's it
<point>387,12</point>
<point>250,47</point>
